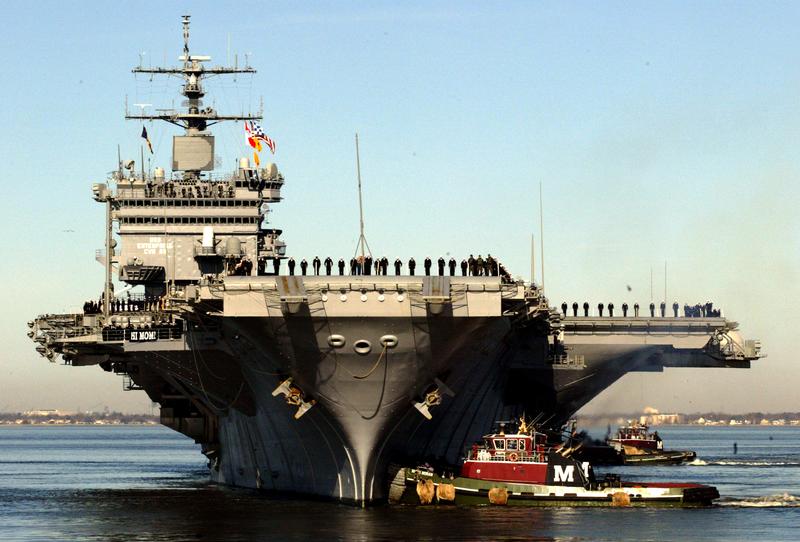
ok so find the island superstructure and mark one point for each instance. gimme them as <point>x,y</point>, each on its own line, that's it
<point>323,384</point>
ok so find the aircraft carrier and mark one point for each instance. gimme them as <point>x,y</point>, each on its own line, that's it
<point>320,383</point>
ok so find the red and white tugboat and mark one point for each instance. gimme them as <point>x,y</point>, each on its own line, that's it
<point>637,445</point>
<point>523,469</point>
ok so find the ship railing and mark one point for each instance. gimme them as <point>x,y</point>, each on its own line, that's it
<point>522,457</point>
<point>567,360</point>
<point>69,332</point>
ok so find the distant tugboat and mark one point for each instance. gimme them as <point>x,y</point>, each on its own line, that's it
<point>637,445</point>
<point>523,469</point>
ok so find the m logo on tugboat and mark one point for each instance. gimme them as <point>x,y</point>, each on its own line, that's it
<point>562,473</point>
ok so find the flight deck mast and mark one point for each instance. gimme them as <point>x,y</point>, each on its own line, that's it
<point>193,152</point>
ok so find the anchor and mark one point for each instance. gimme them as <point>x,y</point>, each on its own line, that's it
<point>294,396</point>
<point>433,398</point>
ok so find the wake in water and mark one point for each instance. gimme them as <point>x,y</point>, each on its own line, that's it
<point>770,501</point>
<point>744,463</point>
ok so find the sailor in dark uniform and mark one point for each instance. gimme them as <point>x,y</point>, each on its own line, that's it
<point>564,307</point>
<point>291,266</point>
<point>471,262</point>
<point>367,265</point>
<point>452,265</point>
<point>464,265</point>
<point>600,309</point>
<point>385,266</point>
<point>328,265</point>
<point>440,261</point>
<point>490,266</point>
<point>575,308</point>
<point>427,265</point>
<point>316,263</point>
<point>276,263</point>
<point>398,266</point>
<point>341,266</point>
<point>675,308</point>
<point>625,309</point>
<point>663,309</point>
<point>303,266</point>
<point>411,266</point>
<point>636,310</point>
<point>611,310</point>
<point>586,308</point>
<point>652,310</point>
<point>479,265</point>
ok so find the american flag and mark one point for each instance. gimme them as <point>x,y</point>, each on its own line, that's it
<point>257,133</point>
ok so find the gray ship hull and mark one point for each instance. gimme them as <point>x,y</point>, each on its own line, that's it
<point>297,390</point>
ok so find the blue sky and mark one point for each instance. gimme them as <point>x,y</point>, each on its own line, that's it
<point>660,133</point>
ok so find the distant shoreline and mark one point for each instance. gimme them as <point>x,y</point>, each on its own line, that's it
<point>43,418</point>
<point>61,418</point>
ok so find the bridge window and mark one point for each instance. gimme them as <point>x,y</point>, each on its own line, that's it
<point>511,444</point>
<point>499,444</point>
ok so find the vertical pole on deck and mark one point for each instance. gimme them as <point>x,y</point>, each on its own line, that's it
<point>541,231</point>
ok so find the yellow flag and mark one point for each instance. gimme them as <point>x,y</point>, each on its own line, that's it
<point>255,159</point>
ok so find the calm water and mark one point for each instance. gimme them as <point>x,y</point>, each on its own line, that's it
<point>149,483</point>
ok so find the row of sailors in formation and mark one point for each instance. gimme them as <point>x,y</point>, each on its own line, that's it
<point>705,310</point>
<point>366,265</point>
<point>146,303</point>
<point>203,190</point>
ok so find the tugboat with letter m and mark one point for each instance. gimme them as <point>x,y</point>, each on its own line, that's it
<point>637,446</point>
<point>521,468</point>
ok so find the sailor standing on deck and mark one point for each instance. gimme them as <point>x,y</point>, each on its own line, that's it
<point>564,307</point>
<point>398,266</point>
<point>411,266</point>
<point>471,263</point>
<point>575,308</point>
<point>464,268</point>
<point>316,263</point>
<point>367,265</point>
<point>303,266</point>
<point>353,264</point>
<point>341,266</point>
<point>452,265</point>
<point>491,267</point>
<point>328,265</point>
<point>385,266</point>
<point>636,310</point>
<point>440,261</point>
<point>586,308</point>
<point>291,266</point>
<point>427,265</point>
<point>479,265</point>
